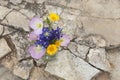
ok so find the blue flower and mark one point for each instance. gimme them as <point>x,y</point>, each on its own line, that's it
<point>48,36</point>
<point>58,33</point>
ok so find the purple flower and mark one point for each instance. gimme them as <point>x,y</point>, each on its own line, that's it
<point>65,40</point>
<point>36,51</point>
<point>33,36</point>
<point>36,24</point>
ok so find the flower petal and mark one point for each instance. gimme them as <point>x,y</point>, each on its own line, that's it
<point>38,31</point>
<point>33,36</point>
<point>36,54</point>
<point>65,40</point>
<point>35,22</point>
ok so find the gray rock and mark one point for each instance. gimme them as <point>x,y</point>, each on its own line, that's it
<point>102,76</point>
<point>23,69</point>
<point>9,61</point>
<point>72,47</point>
<point>1,29</point>
<point>19,20</point>
<point>4,11</point>
<point>30,1</point>
<point>29,14</point>
<point>39,62</point>
<point>98,58</point>
<point>82,51</point>
<point>22,43</point>
<point>78,50</point>
<point>40,1</point>
<point>69,67</point>
<point>114,58</point>
<point>93,40</point>
<point>39,74</point>
<point>70,27</point>
<point>3,2</point>
<point>16,1</point>
<point>5,74</point>
<point>109,29</point>
<point>4,48</point>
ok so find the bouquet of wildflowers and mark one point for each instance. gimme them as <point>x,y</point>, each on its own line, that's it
<point>46,39</point>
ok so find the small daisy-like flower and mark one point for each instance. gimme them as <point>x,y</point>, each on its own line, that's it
<point>54,17</point>
<point>36,51</point>
<point>36,24</point>
<point>64,40</point>
<point>57,43</point>
<point>52,49</point>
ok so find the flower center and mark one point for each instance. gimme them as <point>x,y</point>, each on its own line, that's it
<point>52,49</point>
<point>53,18</point>
<point>39,25</point>
<point>46,34</point>
<point>38,49</point>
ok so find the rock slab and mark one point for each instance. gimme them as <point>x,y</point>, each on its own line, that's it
<point>69,67</point>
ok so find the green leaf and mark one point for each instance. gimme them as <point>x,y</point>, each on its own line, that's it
<point>48,21</point>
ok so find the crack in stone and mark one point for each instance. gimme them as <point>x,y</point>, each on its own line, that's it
<point>10,43</point>
<point>14,28</point>
<point>6,15</point>
<point>2,32</point>
<point>86,61</point>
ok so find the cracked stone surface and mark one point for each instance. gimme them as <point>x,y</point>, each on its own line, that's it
<point>114,59</point>
<point>98,58</point>
<point>4,48</point>
<point>23,69</point>
<point>92,25</point>
<point>3,12</point>
<point>74,68</point>
<point>16,20</point>
<point>6,74</point>
<point>40,74</point>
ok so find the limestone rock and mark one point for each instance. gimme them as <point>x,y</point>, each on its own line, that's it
<point>107,28</point>
<point>3,12</point>
<point>72,47</point>
<point>100,8</point>
<point>40,74</point>
<point>3,2</point>
<point>82,51</point>
<point>98,58</point>
<point>40,1</point>
<point>93,40</point>
<point>9,62</point>
<point>102,76</point>
<point>30,1</point>
<point>4,48</point>
<point>5,74</point>
<point>69,67</point>
<point>22,43</point>
<point>23,69</point>
<point>39,62</point>
<point>114,58</point>
<point>19,20</point>
<point>70,14</point>
<point>29,14</point>
<point>69,28</point>
<point>16,1</point>
<point>78,50</point>
<point>1,29</point>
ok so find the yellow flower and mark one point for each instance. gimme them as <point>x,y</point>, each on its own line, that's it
<point>51,49</point>
<point>54,17</point>
<point>57,43</point>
